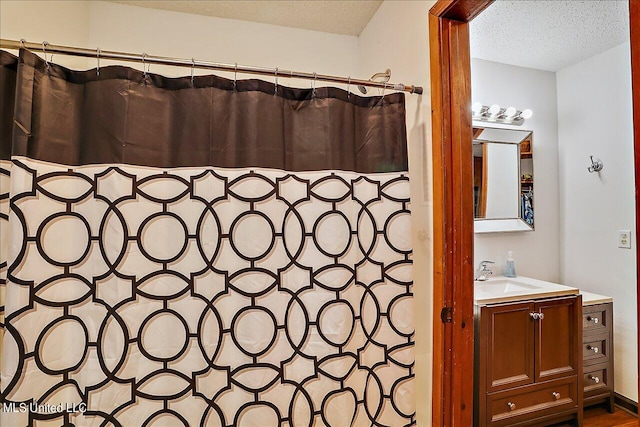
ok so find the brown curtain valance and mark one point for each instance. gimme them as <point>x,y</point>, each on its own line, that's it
<point>124,116</point>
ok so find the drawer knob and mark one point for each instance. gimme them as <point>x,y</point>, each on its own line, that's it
<point>511,406</point>
<point>593,348</point>
<point>595,320</point>
<point>594,379</point>
<point>556,395</point>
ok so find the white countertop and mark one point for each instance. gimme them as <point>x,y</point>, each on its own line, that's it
<point>592,299</point>
<point>507,289</point>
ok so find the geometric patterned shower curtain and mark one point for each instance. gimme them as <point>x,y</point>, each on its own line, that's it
<point>166,296</point>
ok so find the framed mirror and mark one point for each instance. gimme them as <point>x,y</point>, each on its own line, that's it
<point>502,180</point>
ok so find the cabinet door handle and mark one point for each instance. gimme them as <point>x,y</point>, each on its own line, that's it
<point>536,316</point>
<point>595,320</point>
<point>594,379</point>
<point>594,349</point>
<point>511,406</point>
<point>556,395</point>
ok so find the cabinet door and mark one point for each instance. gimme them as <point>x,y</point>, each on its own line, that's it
<point>558,338</point>
<point>510,355</point>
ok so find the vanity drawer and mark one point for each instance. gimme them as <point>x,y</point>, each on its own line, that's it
<point>595,349</point>
<point>596,380</point>
<point>509,407</point>
<point>596,318</point>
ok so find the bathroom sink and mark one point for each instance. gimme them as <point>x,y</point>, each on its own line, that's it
<point>503,289</point>
<point>508,285</point>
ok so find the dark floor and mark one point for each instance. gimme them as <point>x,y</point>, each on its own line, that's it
<point>599,417</point>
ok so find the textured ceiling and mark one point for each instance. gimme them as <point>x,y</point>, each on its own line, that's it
<point>548,35</point>
<point>333,16</point>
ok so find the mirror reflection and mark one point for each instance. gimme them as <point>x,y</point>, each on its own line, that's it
<point>502,179</point>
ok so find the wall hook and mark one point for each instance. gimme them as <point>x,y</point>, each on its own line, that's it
<point>596,165</point>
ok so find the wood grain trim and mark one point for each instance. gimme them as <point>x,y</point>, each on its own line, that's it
<point>441,382</point>
<point>453,209</point>
<point>459,10</point>
<point>634,25</point>
<point>626,404</point>
<point>462,197</point>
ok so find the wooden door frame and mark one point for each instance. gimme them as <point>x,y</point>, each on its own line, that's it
<point>634,26</point>
<point>453,350</point>
<point>452,403</point>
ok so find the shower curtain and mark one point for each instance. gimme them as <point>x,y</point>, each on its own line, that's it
<point>201,251</point>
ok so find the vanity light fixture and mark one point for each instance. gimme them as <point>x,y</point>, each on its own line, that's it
<point>494,110</point>
<point>510,113</point>
<point>496,114</point>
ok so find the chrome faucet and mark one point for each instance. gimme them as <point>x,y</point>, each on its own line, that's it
<point>483,273</point>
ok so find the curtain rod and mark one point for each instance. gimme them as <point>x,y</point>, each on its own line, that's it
<point>191,63</point>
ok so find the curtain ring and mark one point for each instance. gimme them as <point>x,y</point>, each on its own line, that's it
<point>144,69</point>
<point>235,78</point>
<point>98,58</point>
<point>193,67</point>
<point>349,88</point>
<point>383,89</point>
<point>313,85</point>
<point>44,51</point>
<point>275,91</point>
<point>22,42</point>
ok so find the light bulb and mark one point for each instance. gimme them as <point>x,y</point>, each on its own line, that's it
<point>494,109</point>
<point>526,114</point>
<point>476,108</point>
<point>510,112</point>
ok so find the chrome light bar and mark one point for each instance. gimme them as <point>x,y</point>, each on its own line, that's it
<point>496,114</point>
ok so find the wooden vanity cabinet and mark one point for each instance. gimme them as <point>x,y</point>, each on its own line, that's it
<point>597,351</point>
<point>528,362</point>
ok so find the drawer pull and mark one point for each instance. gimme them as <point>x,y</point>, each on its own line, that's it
<point>511,406</point>
<point>592,348</point>
<point>594,379</point>
<point>536,316</point>
<point>556,395</point>
<point>595,320</point>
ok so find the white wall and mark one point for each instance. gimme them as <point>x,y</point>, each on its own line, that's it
<point>536,253</point>
<point>136,29</point>
<point>595,118</point>
<point>119,27</point>
<point>397,37</point>
<point>57,22</point>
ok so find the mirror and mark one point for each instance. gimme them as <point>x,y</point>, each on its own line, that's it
<point>502,180</point>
